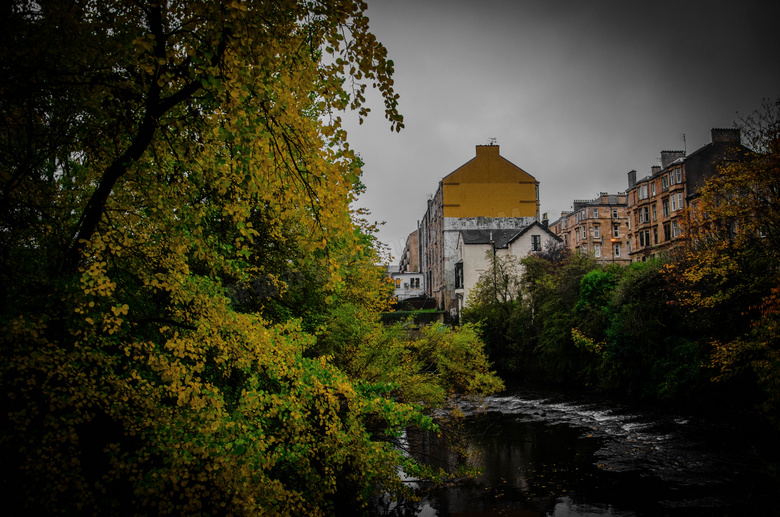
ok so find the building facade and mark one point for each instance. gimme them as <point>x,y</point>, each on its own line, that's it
<point>410,261</point>
<point>407,284</point>
<point>597,227</point>
<point>657,203</point>
<point>486,193</point>
<point>476,246</point>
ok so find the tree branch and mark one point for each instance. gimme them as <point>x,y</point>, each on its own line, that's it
<point>155,108</point>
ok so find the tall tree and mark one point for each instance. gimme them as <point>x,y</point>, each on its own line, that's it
<point>730,274</point>
<point>174,176</point>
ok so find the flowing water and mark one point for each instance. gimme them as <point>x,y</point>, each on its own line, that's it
<point>556,454</point>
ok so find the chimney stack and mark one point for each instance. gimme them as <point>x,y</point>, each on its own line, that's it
<point>631,179</point>
<point>726,135</point>
<point>487,150</point>
<point>668,157</point>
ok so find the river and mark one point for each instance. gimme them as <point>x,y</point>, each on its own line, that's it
<point>548,453</point>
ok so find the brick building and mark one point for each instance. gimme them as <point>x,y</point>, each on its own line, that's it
<point>657,203</point>
<point>410,260</point>
<point>597,227</point>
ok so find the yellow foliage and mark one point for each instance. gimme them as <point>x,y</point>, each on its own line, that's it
<point>197,137</point>
<point>728,275</point>
<point>582,341</point>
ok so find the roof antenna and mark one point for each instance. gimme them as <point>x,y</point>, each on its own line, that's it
<point>492,141</point>
<point>685,148</point>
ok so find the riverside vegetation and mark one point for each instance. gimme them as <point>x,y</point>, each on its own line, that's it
<point>189,310</point>
<point>700,324</point>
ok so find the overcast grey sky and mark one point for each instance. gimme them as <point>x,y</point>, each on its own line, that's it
<point>577,93</point>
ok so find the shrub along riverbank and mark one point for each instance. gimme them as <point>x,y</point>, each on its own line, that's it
<point>700,324</point>
<point>189,306</point>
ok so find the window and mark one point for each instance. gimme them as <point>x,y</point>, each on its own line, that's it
<point>655,215</point>
<point>536,242</point>
<point>675,229</point>
<point>667,232</point>
<point>652,189</point>
<point>665,207</point>
<point>671,178</point>
<point>617,250</point>
<point>595,213</point>
<point>655,235</point>
<point>397,283</point>
<point>643,192</point>
<point>678,171</point>
<point>647,237</point>
<point>646,213</point>
<point>616,231</point>
<point>679,201</point>
<point>664,184</point>
<point>614,214</point>
<point>596,231</point>
<point>673,204</point>
<point>641,239</point>
<point>459,275</point>
<point>597,250</point>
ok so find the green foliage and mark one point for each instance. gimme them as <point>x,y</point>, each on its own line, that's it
<point>418,317</point>
<point>181,272</point>
<point>648,349</point>
<point>420,366</point>
<point>605,327</point>
<point>557,295</point>
<point>493,303</point>
<point>596,287</point>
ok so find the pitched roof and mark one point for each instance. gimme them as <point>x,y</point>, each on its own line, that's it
<point>488,166</point>
<point>541,227</point>
<point>500,238</point>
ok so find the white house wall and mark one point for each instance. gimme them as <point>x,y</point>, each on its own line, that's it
<point>476,261</point>
<point>451,230</point>
<point>523,245</point>
<point>405,291</point>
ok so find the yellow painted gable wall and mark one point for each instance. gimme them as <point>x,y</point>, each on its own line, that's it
<point>489,186</point>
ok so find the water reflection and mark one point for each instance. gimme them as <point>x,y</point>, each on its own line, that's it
<point>551,455</point>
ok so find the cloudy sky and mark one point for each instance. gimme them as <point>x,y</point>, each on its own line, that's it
<point>576,93</point>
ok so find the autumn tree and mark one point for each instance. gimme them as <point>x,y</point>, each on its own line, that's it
<point>176,191</point>
<point>729,276</point>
